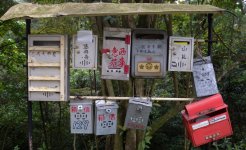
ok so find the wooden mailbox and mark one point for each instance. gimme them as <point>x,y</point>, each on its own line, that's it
<point>47,67</point>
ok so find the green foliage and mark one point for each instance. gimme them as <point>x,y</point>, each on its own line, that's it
<point>144,144</point>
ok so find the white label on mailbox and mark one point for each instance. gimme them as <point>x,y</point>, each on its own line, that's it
<point>200,125</point>
<point>217,119</point>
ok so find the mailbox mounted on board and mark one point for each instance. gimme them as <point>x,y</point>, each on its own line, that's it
<point>48,67</point>
<point>204,77</point>
<point>105,117</point>
<point>85,52</point>
<point>138,111</point>
<point>116,53</point>
<point>207,120</point>
<point>149,53</point>
<point>81,116</point>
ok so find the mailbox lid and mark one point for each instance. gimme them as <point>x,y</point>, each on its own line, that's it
<point>141,101</point>
<point>102,104</point>
<point>204,106</point>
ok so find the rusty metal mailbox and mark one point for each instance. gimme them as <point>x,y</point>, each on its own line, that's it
<point>207,120</point>
<point>138,111</point>
<point>85,53</point>
<point>105,117</point>
<point>149,53</point>
<point>181,53</point>
<point>48,68</point>
<point>204,77</point>
<point>81,116</point>
<point>116,53</point>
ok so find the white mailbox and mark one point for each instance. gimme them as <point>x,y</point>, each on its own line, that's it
<point>181,53</point>
<point>85,53</point>
<point>105,117</point>
<point>47,67</point>
<point>204,77</point>
<point>116,53</point>
<point>81,116</point>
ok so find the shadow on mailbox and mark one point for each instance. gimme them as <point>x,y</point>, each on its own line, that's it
<point>207,120</point>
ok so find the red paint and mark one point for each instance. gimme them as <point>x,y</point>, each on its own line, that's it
<point>122,51</point>
<point>128,39</point>
<point>101,117</point>
<point>112,117</point>
<point>74,109</point>
<point>135,125</point>
<point>86,109</point>
<point>207,118</point>
<point>104,51</point>
<point>126,69</point>
<point>121,62</point>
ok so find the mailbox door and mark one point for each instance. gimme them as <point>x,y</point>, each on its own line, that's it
<point>81,117</point>
<point>181,54</point>
<point>210,129</point>
<point>116,54</point>
<point>85,54</point>
<point>204,77</point>
<point>149,53</point>
<point>47,67</point>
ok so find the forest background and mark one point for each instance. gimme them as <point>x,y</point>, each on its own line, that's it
<point>51,120</point>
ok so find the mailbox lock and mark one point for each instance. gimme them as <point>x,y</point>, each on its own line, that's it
<point>108,110</point>
<point>80,107</point>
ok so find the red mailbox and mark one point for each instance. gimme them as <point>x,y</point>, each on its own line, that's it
<point>207,120</point>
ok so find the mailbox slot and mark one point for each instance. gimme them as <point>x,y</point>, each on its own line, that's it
<point>207,120</point>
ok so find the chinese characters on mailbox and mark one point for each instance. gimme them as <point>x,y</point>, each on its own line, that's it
<point>181,54</point>
<point>116,54</point>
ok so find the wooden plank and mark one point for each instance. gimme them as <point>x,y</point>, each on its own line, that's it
<point>44,78</point>
<point>43,89</point>
<point>127,98</point>
<point>62,68</point>
<point>44,48</point>
<point>31,10</point>
<point>43,64</point>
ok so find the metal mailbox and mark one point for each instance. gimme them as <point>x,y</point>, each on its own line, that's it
<point>149,53</point>
<point>207,120</point>
<point>116,53</point>
<point>138,111</point>
<point>81,116</point>
<point>181,53</point>
<point>105,117</point>
<point>85,53</point>
<point>204,77</point>
<point>47,68</point>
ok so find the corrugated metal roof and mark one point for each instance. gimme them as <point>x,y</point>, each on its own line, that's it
<point>29,10</point>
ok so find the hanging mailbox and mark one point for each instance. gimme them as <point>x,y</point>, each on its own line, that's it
<point>116,53</point>
<point>204,77</point>
<point>207,120</point>
<point>105,117</point>
<point>85,53</point>
<point>47,67</point>
<point>181,53</point>
<point>81,116</point>
<point>149,53</point>
<point>138,111</point>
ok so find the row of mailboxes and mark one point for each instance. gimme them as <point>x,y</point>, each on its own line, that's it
<point>207,120</point>
<point>145,50</point>
<point>105,116</point>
